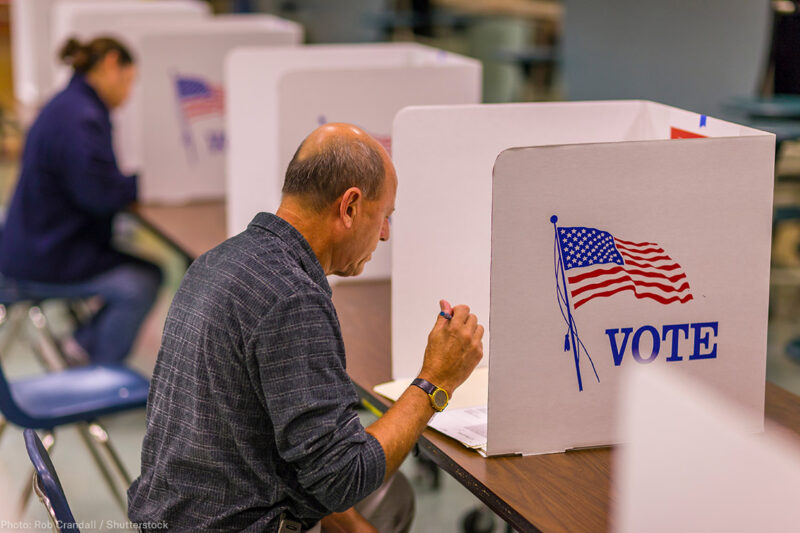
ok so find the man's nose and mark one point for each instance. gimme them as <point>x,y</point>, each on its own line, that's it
<point>385,230</point>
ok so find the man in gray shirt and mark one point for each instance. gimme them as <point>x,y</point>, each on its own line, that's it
<point>251,415</point>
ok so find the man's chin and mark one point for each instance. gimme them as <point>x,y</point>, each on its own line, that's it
<point>354,270</point>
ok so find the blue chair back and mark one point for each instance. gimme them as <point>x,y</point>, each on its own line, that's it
<point>8,406</point>
<point>48,483</point>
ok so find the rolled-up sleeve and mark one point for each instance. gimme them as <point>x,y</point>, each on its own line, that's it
<point>312,402</point>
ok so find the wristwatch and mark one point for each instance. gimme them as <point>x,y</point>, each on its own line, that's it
<point>439,398</point>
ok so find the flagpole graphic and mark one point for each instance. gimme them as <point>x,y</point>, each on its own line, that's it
<point>563,301</point>
<point>602,265</point>
<point>186,129</point>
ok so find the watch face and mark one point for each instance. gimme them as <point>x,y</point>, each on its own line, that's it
<point>440,399</point>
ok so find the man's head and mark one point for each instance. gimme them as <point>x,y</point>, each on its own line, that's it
<point>340,186</point>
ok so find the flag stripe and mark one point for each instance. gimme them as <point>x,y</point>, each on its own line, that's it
<point>636,251</point>
<point>629,243</point>
<point>673,266</point>
<point>641,296</point>
<point>625,277</point>
<point>632,271</point>
<point>657,258</point>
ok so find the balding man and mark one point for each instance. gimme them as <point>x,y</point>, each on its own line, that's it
<point>252,418</point>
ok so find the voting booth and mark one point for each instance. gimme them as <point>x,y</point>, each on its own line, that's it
<point>691,463</point>
<point>278,96</point>
<point>124,20</point>
<point>620,233</point>
<point>172,129</point>
<point>32,49</point>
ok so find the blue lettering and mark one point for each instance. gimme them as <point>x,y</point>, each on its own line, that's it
<point>675,329</point>
<point>701,340</point>
<point>216,141</point>
<point>612,339</point>
<point>656,344</point>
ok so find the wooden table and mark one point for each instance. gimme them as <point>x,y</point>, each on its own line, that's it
<point>191,229</point>
<point>556,492</point>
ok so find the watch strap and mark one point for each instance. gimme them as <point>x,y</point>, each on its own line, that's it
<point>425,385</point>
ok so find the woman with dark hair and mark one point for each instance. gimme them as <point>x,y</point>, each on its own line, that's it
<point>56,242</point>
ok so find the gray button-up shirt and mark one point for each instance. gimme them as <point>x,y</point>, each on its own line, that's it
<point>251,412</point>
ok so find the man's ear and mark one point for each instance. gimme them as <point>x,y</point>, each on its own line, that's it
<point>349,206</point>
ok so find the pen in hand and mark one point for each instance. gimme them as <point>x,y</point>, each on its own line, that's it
<point>447,309</point>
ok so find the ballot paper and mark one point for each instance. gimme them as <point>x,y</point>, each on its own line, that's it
<point>465,418</point>
<point>467,425</point>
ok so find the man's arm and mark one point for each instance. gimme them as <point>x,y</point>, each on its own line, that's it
<point>455,347</point>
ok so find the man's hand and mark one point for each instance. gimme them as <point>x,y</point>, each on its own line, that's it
<point>349,521</point>
<point>455,347</point>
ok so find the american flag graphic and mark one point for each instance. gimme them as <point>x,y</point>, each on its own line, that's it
<point>597,265</point>
<point>198,98</point>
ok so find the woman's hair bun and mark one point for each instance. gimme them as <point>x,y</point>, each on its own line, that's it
<point>82,57</point>
<point>75,54</point>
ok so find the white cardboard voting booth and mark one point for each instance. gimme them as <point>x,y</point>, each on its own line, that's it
<point>691,464</point>
<point>172,129</point>
<point>86,19</point>
<point>691,215</point>
<point>32,50</point>
<point>277,97</point>
<point>124,20</point>
<point>183,102</point>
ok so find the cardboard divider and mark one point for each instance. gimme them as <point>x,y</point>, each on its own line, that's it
<point>171,130</point>
<point>278,96</point>
<point>464,235</point>
<point>33,50</point>
<point>689,454</point>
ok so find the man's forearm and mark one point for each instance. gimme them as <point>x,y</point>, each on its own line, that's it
<point>400,427</point>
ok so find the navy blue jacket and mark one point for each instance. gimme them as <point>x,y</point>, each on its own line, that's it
<point>58,225</point>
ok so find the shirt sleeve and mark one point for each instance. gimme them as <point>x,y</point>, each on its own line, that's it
<point>312,402</point>
<point>92,177</point>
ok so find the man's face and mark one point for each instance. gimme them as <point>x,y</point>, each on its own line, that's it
<point>368,228</point>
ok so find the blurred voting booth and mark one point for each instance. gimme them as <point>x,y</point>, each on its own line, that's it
<point>690,450</point>
<point>172,129</point>
<point>33,49</point>
<point>621,233</point>
<point>87,19</point>
<point>278,96</point>
<point>124,20</point>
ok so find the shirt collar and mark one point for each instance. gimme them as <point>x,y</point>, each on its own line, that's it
<point>298,246</point>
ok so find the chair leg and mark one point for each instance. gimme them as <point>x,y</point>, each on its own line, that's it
<point>48,441</point>
<point>12,321</point>
<point>101,437</point>
<point>3,425</point>
<point>85,431</point>
<point>39,321</point>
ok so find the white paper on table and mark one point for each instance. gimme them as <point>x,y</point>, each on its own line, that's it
<point>465,418</point>
<point>467,426</point>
